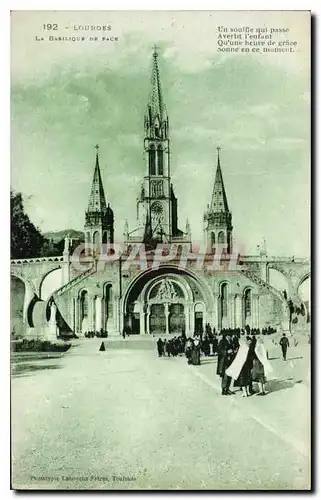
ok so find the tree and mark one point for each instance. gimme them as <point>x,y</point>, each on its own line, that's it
<point>26,240</point>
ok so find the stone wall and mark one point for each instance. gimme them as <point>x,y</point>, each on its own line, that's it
<point>17,301</point>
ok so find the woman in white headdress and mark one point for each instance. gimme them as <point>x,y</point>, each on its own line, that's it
<point>261,368</point>
<point>240,369</point>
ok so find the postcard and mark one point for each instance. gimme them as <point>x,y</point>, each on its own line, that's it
<point>160,250</point>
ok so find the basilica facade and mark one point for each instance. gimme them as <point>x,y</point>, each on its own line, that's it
<point>156,283</point>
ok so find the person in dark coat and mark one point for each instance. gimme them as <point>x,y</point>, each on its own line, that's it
<point>284,343</point>
<point>102,347</point>
<point>188,350</point>
<point>214,344</point>
<point>196,352</point>
<point>226,355</point>
<point>160,347</point>
<point>206,346</point>
<point>240,369</point>
<point>168,348</point>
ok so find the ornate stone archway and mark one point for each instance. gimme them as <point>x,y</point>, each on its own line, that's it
<point>163,302</point>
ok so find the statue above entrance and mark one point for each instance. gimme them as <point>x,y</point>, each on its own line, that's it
<point>166,291</point>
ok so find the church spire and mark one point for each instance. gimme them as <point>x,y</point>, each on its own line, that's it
<point>99,218</point>
<point>218,218</point>
<point>157,214</point>
<point>97,200</point>
<point>156,120</point>
<point>219,199</point>
<point>156,102</point>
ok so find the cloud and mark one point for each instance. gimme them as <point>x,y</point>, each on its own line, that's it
<point>257,113</point>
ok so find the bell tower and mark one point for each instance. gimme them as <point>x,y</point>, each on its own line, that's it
<point>157,205</point>
<point>99,217</point>
<point>218,218</point>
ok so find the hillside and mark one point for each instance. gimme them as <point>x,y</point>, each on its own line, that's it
<point>57,236</point>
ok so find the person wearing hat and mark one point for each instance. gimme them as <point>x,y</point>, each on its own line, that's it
<point>226,355</point>
<point>284,343</point>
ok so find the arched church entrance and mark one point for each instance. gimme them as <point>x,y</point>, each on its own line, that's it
<point>165,301</point>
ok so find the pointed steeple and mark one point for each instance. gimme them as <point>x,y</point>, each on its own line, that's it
<point>99,217</point>
<point>156,102</point>
<point>97,200</point>
<point>218,218</point>
<point>156,120</point>
<point>219,199</point>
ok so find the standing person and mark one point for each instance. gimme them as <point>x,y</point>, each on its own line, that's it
<point>235,341</point>
<point>188,350</point>
<point>206,346</point>
<point>168,347</point>
<point>261,366</point>
<point>196,352</point>
<point>164,347</point>
<point>160,347</point>
<point>240,368</point>
<point>284,343</point>
<point>214,343</point>
<point>225,357</point>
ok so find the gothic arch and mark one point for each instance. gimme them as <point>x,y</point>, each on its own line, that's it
<point>152,160</point>
<point>247,304</point>
<point>223,303</point>
<point>147,291</point>
<point>303,278</point>
<point>80,291</point>
<point>21,278</point>
<point>221,237</point>
<point>148,274</point>
<point>108,303</point>
<point>96,241</point>
<point>30,297</point>
<point>223,282</point>
<point>83,304</point>
<point>160,160</point>
<point>199,307</point>
<point>44,277</point>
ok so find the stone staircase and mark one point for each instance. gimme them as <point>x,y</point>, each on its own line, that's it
<point>269,288</point>
<point>266,286</point>
<point>74,281</point>
<point>58,295</point>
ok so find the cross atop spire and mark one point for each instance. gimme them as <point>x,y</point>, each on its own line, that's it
<point>155,54</point>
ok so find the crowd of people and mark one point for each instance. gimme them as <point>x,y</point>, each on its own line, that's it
<point>245,361</point>
<point>242,356</point>
<point>172,347</point>
<point>101,334</point>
